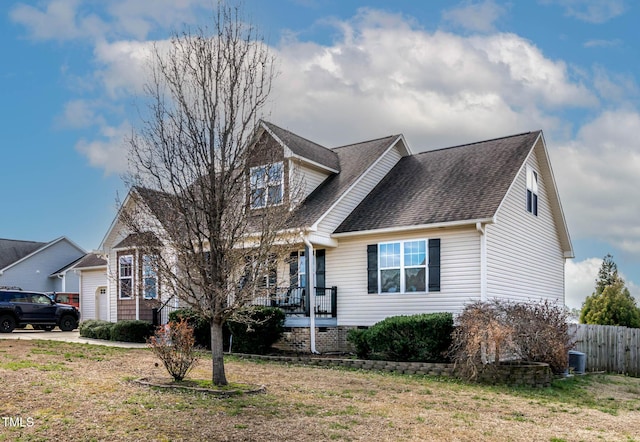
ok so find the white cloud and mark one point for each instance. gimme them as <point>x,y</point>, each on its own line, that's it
<point>80,114</point>
<point>592,11</point>
<point>602,43</point>
<point>64,20</point>
<point>110,152</point>
<point>580,277</point>
<point>598,178</point>
<point>124,66</point>
<point>385,76</point>
<point>58,20</point>
<point>474,16</point>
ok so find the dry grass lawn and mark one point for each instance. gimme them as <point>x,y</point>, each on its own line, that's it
<point>71,392</point>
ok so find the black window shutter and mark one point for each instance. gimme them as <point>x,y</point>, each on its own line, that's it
<point>434,265</point>
<point>535,205</point>
<point>320,271</point>
<point>372,268</point>
<point>293,269</point>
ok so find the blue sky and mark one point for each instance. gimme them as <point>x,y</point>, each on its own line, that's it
<point>440,72</point>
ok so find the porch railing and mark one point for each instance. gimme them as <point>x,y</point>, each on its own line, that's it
<point>294,301</point>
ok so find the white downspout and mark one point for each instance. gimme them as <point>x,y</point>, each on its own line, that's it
<point>483,261</point>
<point>311,281</point>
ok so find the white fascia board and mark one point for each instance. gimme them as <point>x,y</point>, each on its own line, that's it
<point>553,195</point>
<point>115,220</point>
<point>290,154</point>
<point>355,183</point>
<point>82,269</point>
<point>444,225</point>
<point>318,239</point>
<point>569,253</point>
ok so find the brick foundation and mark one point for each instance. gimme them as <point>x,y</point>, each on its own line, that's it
<point>328,340</point>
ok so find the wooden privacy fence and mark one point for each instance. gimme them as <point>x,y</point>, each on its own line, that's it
<point>608,348</point>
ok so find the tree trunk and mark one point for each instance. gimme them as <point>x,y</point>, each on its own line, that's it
<point>217,354</point>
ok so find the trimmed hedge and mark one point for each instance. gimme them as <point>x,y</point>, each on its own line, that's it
<point>131,331</point>
<point>124,331</point>
<point>416,338</point>
<point>263,328</point>
<point>90,327</point>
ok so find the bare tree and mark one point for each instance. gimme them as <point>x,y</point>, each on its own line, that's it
<point>215,233</point>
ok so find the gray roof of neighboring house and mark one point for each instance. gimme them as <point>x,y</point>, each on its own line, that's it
<point>354,160</point>
<point>466,182</point>
<point>12,250</point>
<point>90,260</point>
<point>305,148</point>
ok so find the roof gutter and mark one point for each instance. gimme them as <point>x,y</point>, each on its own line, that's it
<point>481,228</point>
<point>395,229</point>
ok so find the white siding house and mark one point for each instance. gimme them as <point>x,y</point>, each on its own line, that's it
<point>395,232</point>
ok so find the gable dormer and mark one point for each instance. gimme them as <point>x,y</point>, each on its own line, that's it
<point>286,167</point>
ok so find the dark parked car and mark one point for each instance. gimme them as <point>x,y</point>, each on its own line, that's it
<point>19,308</point>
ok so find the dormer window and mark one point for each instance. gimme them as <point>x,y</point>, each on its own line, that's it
<point>267,185</point>
<point>532,191</point>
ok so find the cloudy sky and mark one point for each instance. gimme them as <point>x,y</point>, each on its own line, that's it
<point>440,72</point>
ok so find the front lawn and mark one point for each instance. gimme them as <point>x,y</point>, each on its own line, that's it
<point>60,391</point>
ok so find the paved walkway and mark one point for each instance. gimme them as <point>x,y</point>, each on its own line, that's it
<point>72,336</point>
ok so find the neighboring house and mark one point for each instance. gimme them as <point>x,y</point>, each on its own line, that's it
<point>39,266</point>
<point>92,274</point>
<point>390,232</point>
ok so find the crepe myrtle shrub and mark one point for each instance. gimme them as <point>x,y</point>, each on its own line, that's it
<point>419,338</point>
<point>490,332</point>
<point>256,329</point>
<point>174,345</point>
<point>90,328</point>
<point>131,331</point>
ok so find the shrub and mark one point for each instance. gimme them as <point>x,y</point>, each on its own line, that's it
<point>131,331</point>
<point>88,328</point>
<point>490,332</point>
<point>173,344</point>
<point>358,337</point>
<point>423,337</point>
<point>256,330</point>
<point>200,326</point>
<point>103,331</point>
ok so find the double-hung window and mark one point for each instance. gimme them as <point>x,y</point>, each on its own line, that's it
<point>149,277</point>
<point>125,275</point>
<point>532,191</point>
<point>267,185</point>
<point>403,267</point>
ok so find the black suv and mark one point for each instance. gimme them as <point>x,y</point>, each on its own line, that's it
<point>19,308</point>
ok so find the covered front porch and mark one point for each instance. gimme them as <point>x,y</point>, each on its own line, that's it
<point>298,305</point>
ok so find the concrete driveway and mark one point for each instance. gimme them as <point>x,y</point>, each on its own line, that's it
<point>72,336</point>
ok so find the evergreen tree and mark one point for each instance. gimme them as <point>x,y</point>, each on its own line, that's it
<point>611,303</point>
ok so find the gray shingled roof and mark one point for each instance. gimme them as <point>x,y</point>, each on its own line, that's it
<point>305,148</point>
<point>354,159</point>
<point>90,260</point>
<point>12,250</point>
<point>458,183</point>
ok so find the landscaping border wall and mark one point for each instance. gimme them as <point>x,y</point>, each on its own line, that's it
<point>536,375</point>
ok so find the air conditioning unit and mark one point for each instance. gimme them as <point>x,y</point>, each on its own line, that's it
<point>577,362</point>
